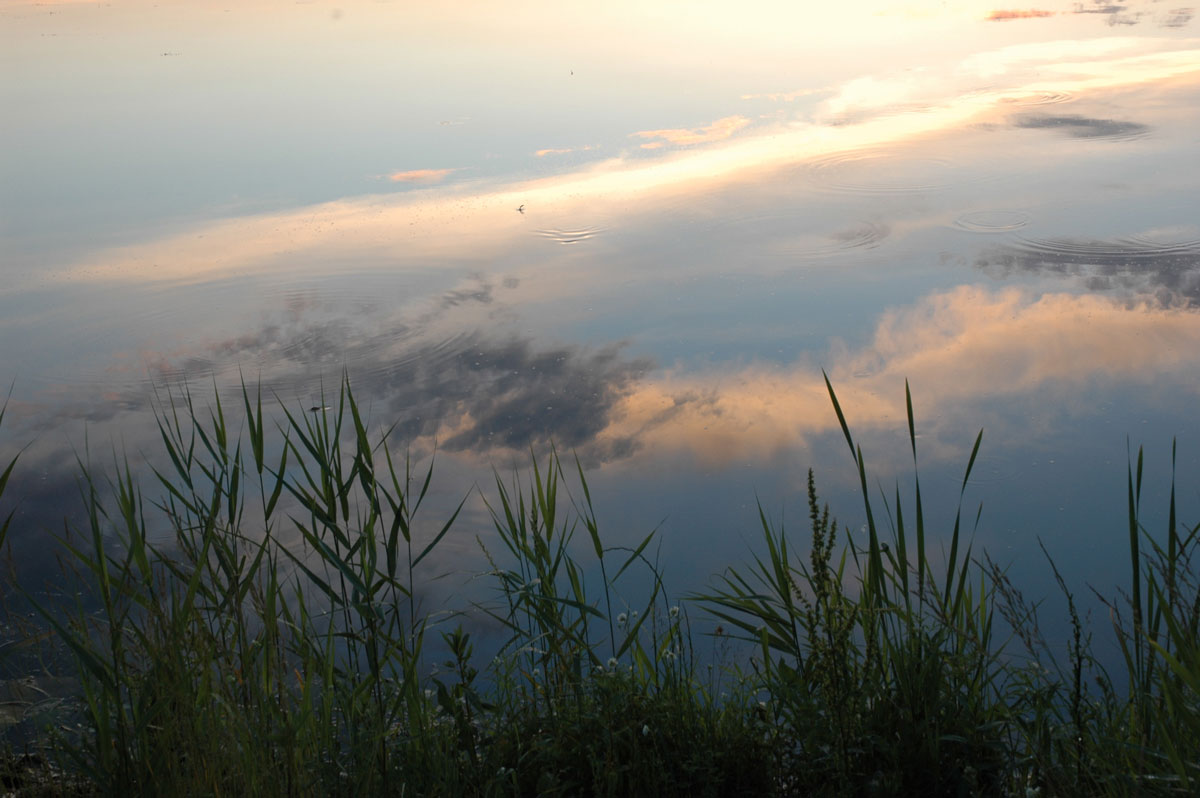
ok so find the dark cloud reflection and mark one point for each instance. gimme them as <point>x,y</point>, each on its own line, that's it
<point>1178,18</point>
<point>1115,13</point>
<point>1082,127</point>
<point>1169,274</point>
<point>509,394</point>
<point>448,369</point>
<point>473,391</point>
<point>1121,13</point>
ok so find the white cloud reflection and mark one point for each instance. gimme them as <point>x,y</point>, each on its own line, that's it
<point>458,220</point>
<point>717,131</point>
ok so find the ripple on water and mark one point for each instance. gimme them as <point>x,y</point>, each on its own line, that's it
<point>862,236</point>
<point>570,236</point>
<point>992,470</point>
<point>997,95</point>
<point>1040,98</point>
<point>430,357</point>
<point>881,172</point>
<point>1129,248</point>
<point>992,221</point>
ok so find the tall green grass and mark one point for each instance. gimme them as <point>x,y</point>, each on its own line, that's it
<point>250,623</point>
<point>883,673</point>
<point>4,477</point>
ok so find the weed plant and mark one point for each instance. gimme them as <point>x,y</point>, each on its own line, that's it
<point>886,685</point>
<point>270,642</point>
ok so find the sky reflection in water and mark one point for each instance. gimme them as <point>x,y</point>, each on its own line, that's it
<point>640,235</point>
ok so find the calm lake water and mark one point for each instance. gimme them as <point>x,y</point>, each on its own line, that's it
<point>638,230</point>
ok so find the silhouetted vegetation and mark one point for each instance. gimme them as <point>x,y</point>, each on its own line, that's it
<point>273,644</point>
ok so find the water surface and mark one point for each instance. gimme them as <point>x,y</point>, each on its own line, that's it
<point>638,232</point>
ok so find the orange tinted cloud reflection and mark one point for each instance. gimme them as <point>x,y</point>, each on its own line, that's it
<point>561,150</point>
<point>721,129</point>
<point>420,175</point>
<point>956,348</point>
<point>1030,13</point>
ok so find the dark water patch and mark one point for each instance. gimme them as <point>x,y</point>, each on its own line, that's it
<point>1100,7</point>
<point>1167,270</point>
<point>992,221</point>
<point>867,235</point>
<point>1083,127</point>
<point>1114,14</point>
<point>856,238</point>
<point>991,469</point>
<point>1177,18</point>
<point>570,236</point>
<point>881,172</point>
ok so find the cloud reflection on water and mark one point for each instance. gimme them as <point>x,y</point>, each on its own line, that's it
<point>1168,274</point>
<point>1002,15</point>
<point>961,348</point>
<point>717,131</point>
<point>420,175</point>
<point>474,217</point>
<point>1082,127</point>
<point>486,397</point>
<point>479,386</point>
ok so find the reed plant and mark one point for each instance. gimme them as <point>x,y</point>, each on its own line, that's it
<point>600,697</point>
<point>218,659</point>
<point>250,624</point>
<point>4,477</point>
<point>254,629</point>
<point>882,672</point>
<point>1129,728</point>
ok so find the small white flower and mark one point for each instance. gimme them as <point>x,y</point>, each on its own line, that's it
<point>675,612</point>
<point>622,618</point>
<point>537,673</point>
<point>634,614</point>
<point>645,730</point>
<point>612,662</point>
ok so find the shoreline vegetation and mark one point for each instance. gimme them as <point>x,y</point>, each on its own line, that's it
<point>222,661</point>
